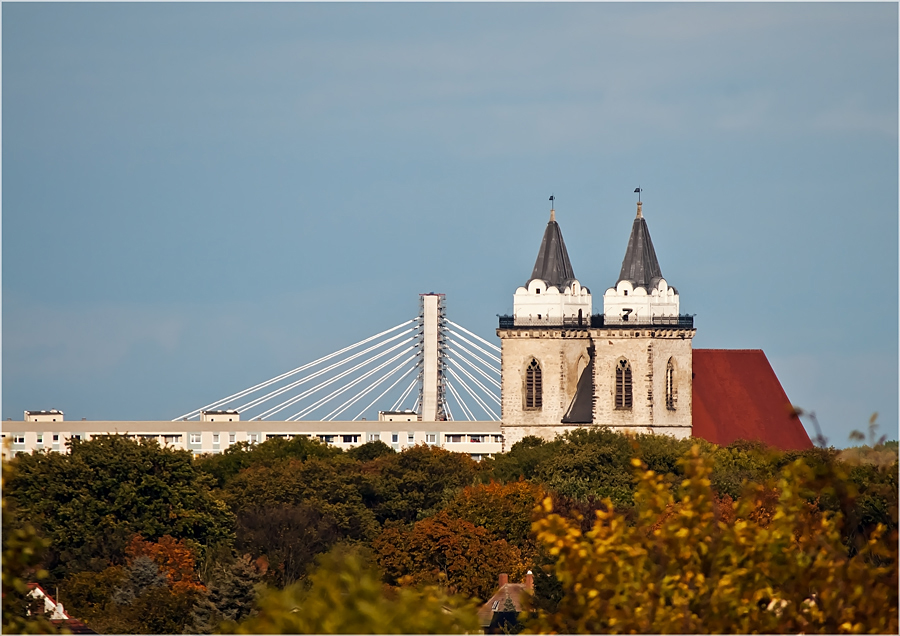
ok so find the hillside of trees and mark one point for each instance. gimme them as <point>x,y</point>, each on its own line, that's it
<point>641,534</point>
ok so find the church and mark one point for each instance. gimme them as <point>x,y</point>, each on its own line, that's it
<point>630,367</point>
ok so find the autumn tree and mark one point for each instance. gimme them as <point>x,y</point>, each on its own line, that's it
<point>681,569</point>
<point>449,551</point>
<point>346,596</point>
<point>289,536</point>
<point>504,510</point>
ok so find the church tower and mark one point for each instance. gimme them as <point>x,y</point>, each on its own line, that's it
<point>546,348</point>
<point>643,369</point>
<point>628,369</point>
<point>552,296</point>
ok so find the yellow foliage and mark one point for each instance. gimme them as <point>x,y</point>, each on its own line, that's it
<point>345,596</point>
<point>681,567</point>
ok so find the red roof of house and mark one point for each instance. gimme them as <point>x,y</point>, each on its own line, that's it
<point>736,395</point>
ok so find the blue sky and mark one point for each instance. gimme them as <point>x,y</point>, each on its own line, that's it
<point>197,197</point>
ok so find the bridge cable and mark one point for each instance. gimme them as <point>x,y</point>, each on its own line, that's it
<point>257,401</point>
<point>343,407</point>
<point>472,393</point>
<point>280,407</point>
<point>334,394</point>
<point>289,373</point>
<point>460,327</point>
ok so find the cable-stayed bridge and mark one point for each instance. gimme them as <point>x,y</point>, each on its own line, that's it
<point>428,365</point>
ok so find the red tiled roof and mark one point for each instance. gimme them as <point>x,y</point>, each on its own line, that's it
<point>736,395</point>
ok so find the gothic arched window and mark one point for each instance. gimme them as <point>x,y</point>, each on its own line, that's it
<point>533,385</point>
<point>623,385</point>
<point>670,385</point>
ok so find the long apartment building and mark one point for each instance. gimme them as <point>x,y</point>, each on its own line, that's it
<point>217,430</point>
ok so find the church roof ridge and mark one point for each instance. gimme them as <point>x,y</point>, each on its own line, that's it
<point>640,265</point>
<point>552,264</point>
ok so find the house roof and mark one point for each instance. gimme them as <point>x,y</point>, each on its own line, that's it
<point>640,265</point>
<point>552,264</point>
<point>736,395</point>
<point>517,592</point>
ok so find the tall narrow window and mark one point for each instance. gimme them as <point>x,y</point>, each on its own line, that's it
<point>670,385</point>
<point>533,385</point>
<point>623,385</point>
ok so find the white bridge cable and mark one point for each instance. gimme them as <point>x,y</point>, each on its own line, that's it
<point>472,393</point>
<point>461,328</point>
<point>334,394</point>
<point>457,347</point>
<point>490,393</point>
<point>353,400</point>
<point>278,378</point>
<point>415,406</point>
<point>464,339</point>
<point>265,398</point>
<point>280,407</point>
<point>405,394</point>
<point>465,408</point>
<point>457,356</point>
<point>372,403</point>
<point>447,410</point>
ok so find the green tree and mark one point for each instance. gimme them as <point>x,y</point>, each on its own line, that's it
<point>680,568</point>
<point>370,451</point>
<point>329,486</point>
<point>91,501</point>
<point>231,597</point>
<point>523,459</point>
<point>23,552</point>
<point>224,466</point>
<point>346,596</point>
<point>411,484</point>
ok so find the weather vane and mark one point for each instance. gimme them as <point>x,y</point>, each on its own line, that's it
<point>638,190</point>
<point>552,199</point>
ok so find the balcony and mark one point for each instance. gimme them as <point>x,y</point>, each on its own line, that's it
<point>684,321</point>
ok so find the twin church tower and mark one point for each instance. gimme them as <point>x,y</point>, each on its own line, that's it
<point>564,367</point>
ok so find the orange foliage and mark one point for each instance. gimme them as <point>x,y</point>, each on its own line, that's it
<point>447,551</point>
<point>174,558</point>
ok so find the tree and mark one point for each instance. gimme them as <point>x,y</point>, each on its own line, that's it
<point>91,501</point>
<point>681,569</point>
<point>224,466</point>
<point>23,551</point>
<point>289,536</point>
<point>411,484</point>
<point>523,459</point>
<point>231,596</point>
<point>504,510</point>
<point>370,451</point>
<point>345,596</point>
<point>448,551</point>
<point>329,486</point>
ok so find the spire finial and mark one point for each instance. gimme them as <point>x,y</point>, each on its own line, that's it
<point>552,211</point>
<point>639,190</point>
<point>640,214</point>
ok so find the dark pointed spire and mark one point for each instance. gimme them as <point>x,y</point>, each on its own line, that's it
<point>640,265</point>
<point>552,264</point>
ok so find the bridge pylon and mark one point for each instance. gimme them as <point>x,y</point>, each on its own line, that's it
<point>433,345</point>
